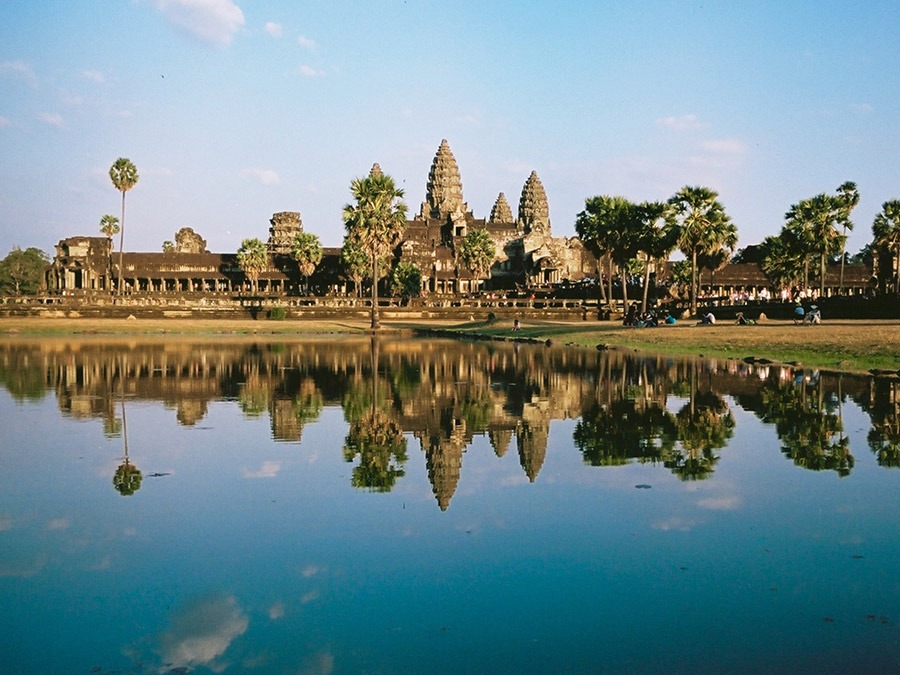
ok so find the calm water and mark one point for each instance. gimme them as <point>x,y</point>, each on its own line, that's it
<point>253,507</point>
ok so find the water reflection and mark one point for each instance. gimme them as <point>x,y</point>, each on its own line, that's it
<point>442,394</point>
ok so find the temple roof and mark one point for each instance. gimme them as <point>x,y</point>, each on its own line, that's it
<point>534,213</point>
<point>501,213</point>
<point>443,195</point>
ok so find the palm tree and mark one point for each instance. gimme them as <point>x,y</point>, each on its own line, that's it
<point>703,228</point>
<point>886,231</point>
<point>656,238</point>
<point>376,222</point>
<point>109,225</point>
<point>124,176</point>
<point>608,227</point>
<point>355,262</point>
<point>253,258</point>
<point>781,261</point>
<point>477,252</point>
<point>848,198</point>
<point>306,250</point>
<point>814,220</point>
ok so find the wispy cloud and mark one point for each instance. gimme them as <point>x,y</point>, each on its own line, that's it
<point>307,43</point>
<point>674,524</point>
<point>18,69</point>
<point>51,119</point>
<point>94,76</point>
<point>211,21</point>
<point>268,469</point>
<point>264,176</point>
<point>4,122</point>
<point>308,71</point>
<point>862,108</point>
<point>200,633</point>
<point>273,29</point>
<point>679,122</point>
<point>58,524</point>
<point>720,503</point>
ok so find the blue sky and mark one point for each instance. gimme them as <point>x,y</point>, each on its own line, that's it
<point>233,110</point>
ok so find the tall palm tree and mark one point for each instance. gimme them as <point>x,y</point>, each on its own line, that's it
<point>124,176</point>
<point>886,231</point>
<point>703,228</point>
<point>376,222</point>
<point>253,258</point>
<point>656,238</point>
<point>848,198</point>
<point>781,262</point>
<point>814,220</point>
<point>306,250</point>
<point>609,228</point>
<point>355,262</point>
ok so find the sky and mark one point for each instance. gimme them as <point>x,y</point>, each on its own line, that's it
<point>233,110</point>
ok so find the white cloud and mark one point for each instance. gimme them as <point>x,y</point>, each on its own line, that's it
<point>18,69</point>
<point>202,632</point>
<point>51,119</point>
<point>58,524</point>
<point>273,29</point>
<point>720,503</point>
<point>306,43</point>
<point>725,146</point>
<point>4,121</point>
<point>308,71</point>
<point>211,21</point>
<point>94,76</point>
<point>264,176</point>
<point>679,123</point>
<point>268,469</point>
<point>276,611</point>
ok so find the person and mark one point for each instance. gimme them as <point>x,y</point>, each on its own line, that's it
<point>742,320</point>
<point>799,314</point>
<point>670,320</point>
<point>516,325</point>
<point>814,315</point>
<point>708,318</point>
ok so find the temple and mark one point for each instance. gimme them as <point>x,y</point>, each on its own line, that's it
<point>527,254</point>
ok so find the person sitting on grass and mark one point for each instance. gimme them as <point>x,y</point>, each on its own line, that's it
<point>708,318</point>
<point>741,320</point>
<point>799,314</point>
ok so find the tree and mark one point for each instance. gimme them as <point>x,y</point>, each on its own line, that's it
<point>813,223</point>
<point>477,252</point>
<point>306,250</point>
<point>109,225</point>
<point>780,261</point>
<point>355,262</point>
<point>886,231</point>
<point>376,222</point>
<point>848,198</point>
<point>703,227</point>
<point>253,259</point>
<point>656,237</point>
<point>21,271</point>
<point>168,246</point>
<point>124,176</point>
<point>609,227</point>
<point>406,281</point>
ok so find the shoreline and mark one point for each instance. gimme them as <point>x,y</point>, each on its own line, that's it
<point>852,346</point>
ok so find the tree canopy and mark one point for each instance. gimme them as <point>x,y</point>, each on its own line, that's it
<point>21,271</point>
<point>253,259</point>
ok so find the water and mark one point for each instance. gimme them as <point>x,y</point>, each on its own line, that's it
<point>474,508</point>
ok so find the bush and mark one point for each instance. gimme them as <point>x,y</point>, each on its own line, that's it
<point>277,314</point>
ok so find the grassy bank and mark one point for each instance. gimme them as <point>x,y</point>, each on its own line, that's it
<point>856,346</point>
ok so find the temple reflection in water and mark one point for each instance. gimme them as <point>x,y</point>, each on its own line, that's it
<point>441,394</point>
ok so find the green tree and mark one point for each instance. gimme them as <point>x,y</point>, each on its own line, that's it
<point>610,227</point>
<point>780,261</point>
<point>886,232</point>
<point>306,250</point>
<point>375,222</point>
<point>703,228</point>
<point>109,226</point>
<point>655,238</point>
<point>168,246</point>
<point>406,281</point>
<point>124,176</point>
<point>253,259</point>
<point>848,198</point>
<point>813,222</point>
<point>477,252</point>
<point>21,271</point>
<point>355,263</point>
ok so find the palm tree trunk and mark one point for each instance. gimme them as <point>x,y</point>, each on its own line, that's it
<point>695,291</point>
<point>375,324</point>
<point>646,284</point>
<point>121,242</point>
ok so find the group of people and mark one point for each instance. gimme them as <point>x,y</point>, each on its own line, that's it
<point>801,315</point>
<point>635,317</point>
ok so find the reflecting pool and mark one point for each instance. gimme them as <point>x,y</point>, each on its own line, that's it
<point>350,505</point>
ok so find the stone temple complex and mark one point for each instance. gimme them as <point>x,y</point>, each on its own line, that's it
<point>527,254</point>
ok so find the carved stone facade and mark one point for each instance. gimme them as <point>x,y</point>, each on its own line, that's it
<point>188,241</point>
<point>285,226</point>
